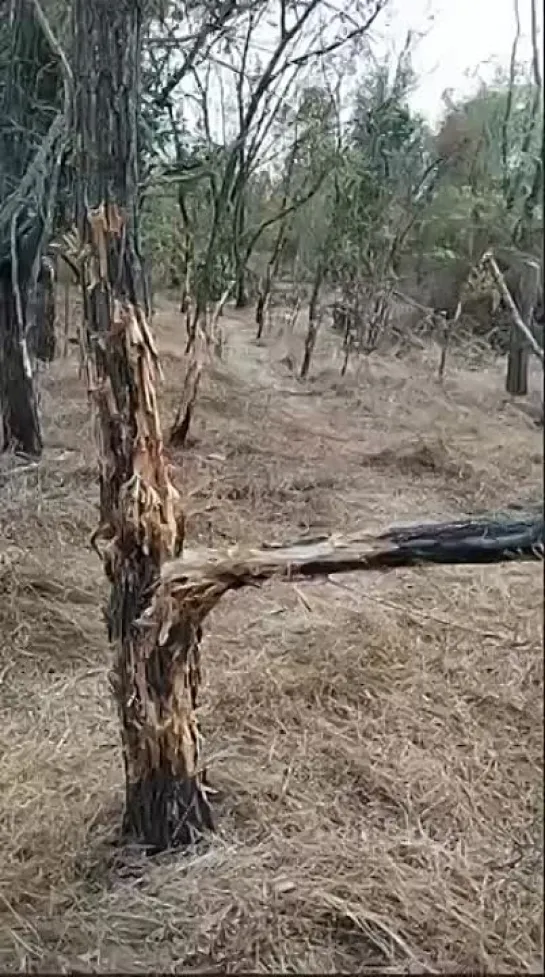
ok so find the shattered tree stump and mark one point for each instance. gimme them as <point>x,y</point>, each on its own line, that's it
<point>156,671</point>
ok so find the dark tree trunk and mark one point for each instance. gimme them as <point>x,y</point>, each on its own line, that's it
<point>261,308</point>
<point>266,283</point>
<point>20,420</point>
<point>32,143</point>
<point>263,299</point>
<point>182,421</point>
<point>516,381</point>
<point>313,321</point>
<point>241,295</point>
<point>41,328</point>
<point>156,672</point>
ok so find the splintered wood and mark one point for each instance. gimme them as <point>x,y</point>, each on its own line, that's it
<point>156,672</point>
<point>191,587</point>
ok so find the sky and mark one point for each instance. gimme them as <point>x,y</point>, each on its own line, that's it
<point>464,41</point>
<point>459,43</point>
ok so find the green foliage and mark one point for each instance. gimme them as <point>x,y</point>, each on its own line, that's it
<point>494,141</point>
<point>381,161</point>
<point>373,197</point>
<point>389,196</point>
<point>463,222</point>
<point>480,122</point>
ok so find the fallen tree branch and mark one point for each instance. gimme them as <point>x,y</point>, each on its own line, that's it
<point>192,585</point>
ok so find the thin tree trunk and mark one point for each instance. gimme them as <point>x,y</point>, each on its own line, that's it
<point>156,675</point>
<point>241,295</point>
<point>239,227</point>
<point>182,421</point>
<point>266,284</point>
<point>41,330</point>
<point>20,421</point>
<point>66,338</point>
<point>347,339</point>
<point>262,302</point>
<point>447,329</point>
<point>521,336</point>
<point>313,321</point>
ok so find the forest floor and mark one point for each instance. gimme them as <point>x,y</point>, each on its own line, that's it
<point>376,743</point>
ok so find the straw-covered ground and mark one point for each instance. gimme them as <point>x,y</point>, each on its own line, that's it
<point>375,742</point>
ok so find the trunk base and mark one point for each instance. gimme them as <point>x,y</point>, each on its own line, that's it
<point>162,812</point>
<point>20,422</point>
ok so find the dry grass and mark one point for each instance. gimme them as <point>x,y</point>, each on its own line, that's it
<point>376,745</point>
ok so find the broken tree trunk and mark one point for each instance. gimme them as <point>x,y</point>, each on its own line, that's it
<point>155,675</point>
<point>192,586</point>
<point>207,574</point>
<point>521,338</point>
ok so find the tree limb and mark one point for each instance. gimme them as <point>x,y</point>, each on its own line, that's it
<point>509,301</point>
<point>227,9</point>
<point>193,584</point>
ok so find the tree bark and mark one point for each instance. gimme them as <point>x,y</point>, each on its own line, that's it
<point>20,420</point>
<point>182,421</point>
<point>313,321</point>
<point>266,283</point>
<point>41,329</point>
<point>205,575</point>
<point>263,299</point>
<point>241,294</point>
<point>516,382</point>
<point>156,674</point>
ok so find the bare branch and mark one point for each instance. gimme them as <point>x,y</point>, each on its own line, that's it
<point>57,49</point>
<point>515,314</point>
<point>284,212</point>
<point>226,11</point>
<point>315,53</point>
